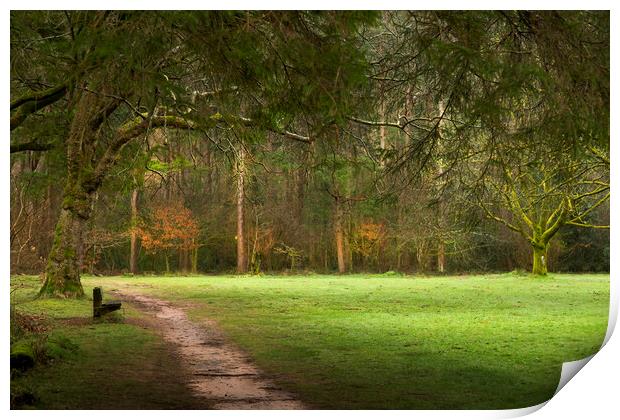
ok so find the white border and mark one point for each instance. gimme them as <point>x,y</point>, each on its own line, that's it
<point>593,393</point>
<point>309,5</point>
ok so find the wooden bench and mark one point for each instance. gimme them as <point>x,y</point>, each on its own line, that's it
<point>100,308</point>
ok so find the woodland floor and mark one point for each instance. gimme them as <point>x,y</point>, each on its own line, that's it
<point>359,341</point>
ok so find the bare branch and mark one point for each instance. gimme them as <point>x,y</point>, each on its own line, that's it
<point>588,211</point>
<point>588,225</point>
<point>376,123</point>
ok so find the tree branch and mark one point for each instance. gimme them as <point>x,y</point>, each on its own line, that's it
<point>33,145</point>
<point>133,129</point>
<point>293,136</point>
<point>587,225</point>
<point>31,103</point>
<point>376,123</point>
<point>502,221</point>
<point>38,96</point>
<point>588,211</point>
<point>599,154</point>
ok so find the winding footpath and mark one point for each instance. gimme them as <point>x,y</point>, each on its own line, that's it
<point>219,371</point>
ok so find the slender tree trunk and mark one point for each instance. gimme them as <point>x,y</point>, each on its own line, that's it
<point>209,181</point>
<point>133,250</point>
<point>300,193</point>
<point>441,249</point>
<point>348,251</point>
<point>325,260</point>
<point>255,257</point>
<point>441,257</point>
<point>382,129</point>
<point>539,265</point>
<point>181,260</point>
<point>345,246</point>
<point>399,223</point>
<point>194,257</point>
<point>242,258</point>
<point>45,247</point>
<point>338,230</point>
<point>382,133</point>
<point>421,258</point>
<point>170,174</point>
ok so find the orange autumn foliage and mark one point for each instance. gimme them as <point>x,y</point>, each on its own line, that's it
<point>170,226</point>
<point>368,237</point>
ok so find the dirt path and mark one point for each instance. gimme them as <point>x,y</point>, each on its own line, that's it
<point>219,372</point>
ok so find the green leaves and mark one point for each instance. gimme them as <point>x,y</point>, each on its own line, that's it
<point>176,165</point>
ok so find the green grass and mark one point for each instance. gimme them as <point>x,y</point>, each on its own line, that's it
<point>107,364</point>
<point>363,341</point>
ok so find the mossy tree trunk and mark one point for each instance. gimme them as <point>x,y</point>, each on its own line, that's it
<point>90,156</point>
<point>62,276</point>
<point>85,174</point>
<point>242,256</point>
<point>539,264</point>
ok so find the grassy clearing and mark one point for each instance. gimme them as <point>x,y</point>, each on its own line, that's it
<point>107,364</point>
<point>363,341</point>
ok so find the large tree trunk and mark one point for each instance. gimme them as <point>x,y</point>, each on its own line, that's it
<point>62,276</point>
<point>133,251</point>
<point>338,230</point>
<point>242,258</point>
<point>539,265</point>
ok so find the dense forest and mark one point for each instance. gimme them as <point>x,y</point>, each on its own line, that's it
<point>149,142</point>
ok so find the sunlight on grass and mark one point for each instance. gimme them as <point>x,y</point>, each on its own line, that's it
<point>369,341</point>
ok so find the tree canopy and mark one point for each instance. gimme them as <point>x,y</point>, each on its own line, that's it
<point>373,139</point>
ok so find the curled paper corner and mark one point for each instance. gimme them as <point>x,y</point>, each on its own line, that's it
<point>613,316</point>
<point>569,370</point>
<point>520,412</point>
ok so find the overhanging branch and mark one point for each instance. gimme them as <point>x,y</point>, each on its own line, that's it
<point>34,146</point>
<point>290,135</point>
<point>376,123</point>
<point>38,96</point>
<point>32,102</point>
